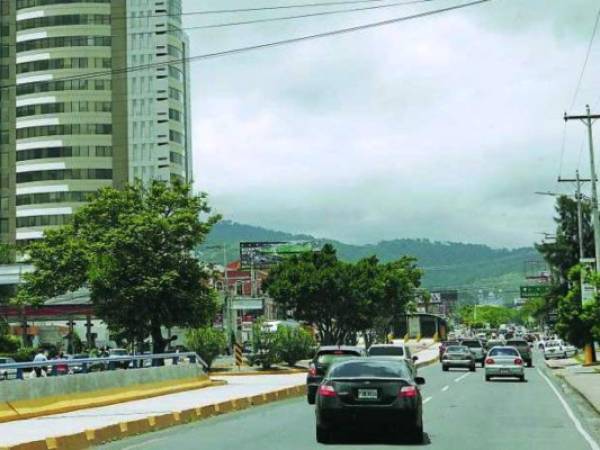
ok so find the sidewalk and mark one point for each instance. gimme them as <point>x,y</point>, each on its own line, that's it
<point>587,384</point>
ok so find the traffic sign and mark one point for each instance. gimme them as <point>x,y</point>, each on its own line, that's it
<point>538,290</point>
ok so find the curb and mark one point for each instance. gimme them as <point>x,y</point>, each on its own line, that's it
<point>90,438</point>
<point>579,393</point>
<point>427,363</point>
<point>14,411</point>
<point>258,372</point>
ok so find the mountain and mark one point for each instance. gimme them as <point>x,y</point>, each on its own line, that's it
<point>467,267</point>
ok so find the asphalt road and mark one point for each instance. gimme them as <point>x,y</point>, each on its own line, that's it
<point>462,412</point>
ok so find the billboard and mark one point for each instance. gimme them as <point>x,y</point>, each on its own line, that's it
<point>262,255</point>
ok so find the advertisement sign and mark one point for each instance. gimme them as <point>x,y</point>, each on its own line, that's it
<point>262,255</point>
<point>588,291</point>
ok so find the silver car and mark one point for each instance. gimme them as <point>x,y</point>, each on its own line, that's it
<point>504,362</point>
<point>6,374</point>
<point>458,356</point>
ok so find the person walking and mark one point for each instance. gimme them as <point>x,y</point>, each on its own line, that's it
<point>41,356</point>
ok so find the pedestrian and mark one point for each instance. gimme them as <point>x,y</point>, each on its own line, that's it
<point>41,356</point>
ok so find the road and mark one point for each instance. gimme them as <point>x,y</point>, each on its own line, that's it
<point>462,411</point>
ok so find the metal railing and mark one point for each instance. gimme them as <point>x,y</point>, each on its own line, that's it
<point>86,365</point>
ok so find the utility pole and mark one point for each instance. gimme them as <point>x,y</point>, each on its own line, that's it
<point>579,199</point>
<point>588,120</point>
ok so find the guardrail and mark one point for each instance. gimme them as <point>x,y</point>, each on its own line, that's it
<point>85,365</point>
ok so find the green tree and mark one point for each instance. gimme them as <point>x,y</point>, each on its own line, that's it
<point>133,249</point>
<point>207,342</point>
<point>264,346</point>
<point>491,315</point>
<point>294,344</point>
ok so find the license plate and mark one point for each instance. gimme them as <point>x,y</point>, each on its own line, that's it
<point>504,371</point>
<point>367,394</point>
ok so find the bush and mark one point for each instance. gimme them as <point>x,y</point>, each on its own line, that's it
<point>23,354</point>
<point>9,344</point>
<point>207,342</point>
<point>264,347</point>
<point>294,344</point>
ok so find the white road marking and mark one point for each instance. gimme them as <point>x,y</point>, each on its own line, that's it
<point>445,388</point>
<point>462,377</point>
<point>427,400</point>
<point>592,443</point>
<point>143,444</point>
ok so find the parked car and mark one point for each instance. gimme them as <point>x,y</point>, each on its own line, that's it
<point>6,374</point>
<point>321,362</point>
<point>558,349</point>
<point>476,348</point>
<point>372,393</point>
<point>524,349</point>
<point>504,362</point>
<point>396,350</point>
<point>117,353</point>
<point>458,356</point>
<point>78,368</point>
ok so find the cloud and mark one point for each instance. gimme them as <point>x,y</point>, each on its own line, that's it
<point>442,127</point>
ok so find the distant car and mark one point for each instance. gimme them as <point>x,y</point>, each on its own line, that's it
<point>398,350</point>
<point>493,343</point>
<point>319,365</point>
<point>78,368</point>
<point>118,353</point>
<point>557,349</point>
<point>476,348</point>
<point>504,362</point>
<point>458,356</point>
<point>444,345</point>
<point>6,374</point>
<point>524,349</point>
<point>370,393</point>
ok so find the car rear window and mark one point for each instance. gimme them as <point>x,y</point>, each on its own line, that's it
<point>386,351</point>
<point>457,349</point>
<point>370,369</point>
<point>472,344</point>
<point>328,356</point>
<point>518,343</point>
<point>503,352</point>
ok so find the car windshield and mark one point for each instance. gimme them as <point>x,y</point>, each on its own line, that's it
<point>370,369</point>
<point>386,351</point>
<point>457,349</point>
<point>505,351</point>
<point>472,344</point>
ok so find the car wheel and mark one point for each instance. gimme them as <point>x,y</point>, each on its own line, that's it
<point>323,436</point>
<point>522,378</point>
<point>565,355</point>
<point>472,368</point>
<point>530,363</point>
<point>311,397</point>
<point>445,368</point>
<point>487,378</point>
<point>416,434</point>
<point>482,364</point>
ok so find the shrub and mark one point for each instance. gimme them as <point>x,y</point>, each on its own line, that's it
<point>264,347</point>
<point>294,344</point>
<point>207,342</point>
<point>9,344</point>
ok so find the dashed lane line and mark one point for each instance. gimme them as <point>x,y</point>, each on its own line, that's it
<point>592,443</point>
<point>143,444</point>
<point>445,388</point>
<point>427,400</point>
<point>462,377</point>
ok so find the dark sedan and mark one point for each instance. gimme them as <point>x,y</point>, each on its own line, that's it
<point>370,394</point>
<point>324,357</point>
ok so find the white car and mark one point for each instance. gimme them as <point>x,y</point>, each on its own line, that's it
<point>396,350</point>
<point>6,374</point>
<point>558,349</point>
<point>504,362</point>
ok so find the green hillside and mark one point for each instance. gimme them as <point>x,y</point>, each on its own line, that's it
<point>467,267</point>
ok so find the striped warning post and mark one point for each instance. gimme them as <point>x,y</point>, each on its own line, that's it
<point>237,351</point>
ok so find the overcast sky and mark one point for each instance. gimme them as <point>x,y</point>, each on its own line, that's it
<point>440,128</point>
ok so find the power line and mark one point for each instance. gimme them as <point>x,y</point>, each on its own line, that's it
<point>587,58</point>
<point>263,46</point>
<point>301,16</point>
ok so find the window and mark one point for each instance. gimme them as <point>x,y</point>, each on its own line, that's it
<point>176,158</point>
<point>54,197</point>
<point>61,130</point>
<point>175,73</point>
<point>66,41</point>
<point>174,114</point>
<point>175,94</point>
<point>98,151</point>
<point>64,63</point>
<point>43,221</point>
<point>175,136</point>
<point>56,21</point>
<point>64,174</point>
<point>32,3</point>
<point>67,85</point>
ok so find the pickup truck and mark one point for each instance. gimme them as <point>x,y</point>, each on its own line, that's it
<point>524,349</point>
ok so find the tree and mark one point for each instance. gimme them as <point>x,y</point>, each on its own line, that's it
<point>207,342</point>
<point>264,346</point>
<point>491,315</point>
<point>133,249</point>
<point>294,344</point>
<point>341,299</point>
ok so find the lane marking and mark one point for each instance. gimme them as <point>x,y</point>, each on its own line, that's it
<point>445,388</point>
<point>462,377</point>
<point>143,444</point>
<point>427,399</point>
<point>592,443</point>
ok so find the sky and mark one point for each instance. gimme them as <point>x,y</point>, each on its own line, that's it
<point>442,127</point>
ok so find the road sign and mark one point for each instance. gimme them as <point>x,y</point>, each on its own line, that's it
<point>538,290</point>
<point>237,352</point>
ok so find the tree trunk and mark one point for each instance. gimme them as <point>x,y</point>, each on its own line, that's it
<point>158,344</point>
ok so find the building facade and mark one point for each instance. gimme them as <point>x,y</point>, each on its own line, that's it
<point>94,93</point>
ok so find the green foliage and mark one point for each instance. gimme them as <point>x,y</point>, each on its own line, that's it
<point>340,298</point>
<point>207,342</point>
<point>74,343</point>
<point>294,344</point>
<point>133,249</point>
<point>22,354</point>
<point>9,344</point>
<point>486,315</point>
<point>264,347</point>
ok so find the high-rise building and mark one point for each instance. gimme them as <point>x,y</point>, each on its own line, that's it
<point>93,93</point>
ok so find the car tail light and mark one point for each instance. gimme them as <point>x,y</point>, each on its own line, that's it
<point>489,361</point>
<point>312,370</point>
<point>518,361</point>
<point>408,392</point>
<point>327,391</point>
